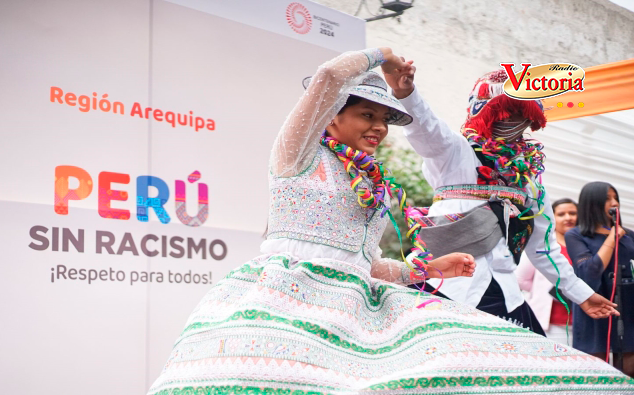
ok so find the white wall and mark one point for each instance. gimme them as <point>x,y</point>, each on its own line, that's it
<point>597,148</point>
<point>452,43</point>
<point>455,42</point>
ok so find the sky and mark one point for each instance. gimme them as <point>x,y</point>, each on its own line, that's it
<point>629,4</point>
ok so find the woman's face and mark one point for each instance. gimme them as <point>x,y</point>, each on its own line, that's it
<point>362,126</point>
<point>565,217</point>
<point>611,201</point>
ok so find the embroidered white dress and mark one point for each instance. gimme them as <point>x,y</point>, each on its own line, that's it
<point>319,312</point>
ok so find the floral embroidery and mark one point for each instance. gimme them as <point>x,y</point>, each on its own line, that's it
<point>430,350</point>
<point>520,240</point>
<point>311,209</point>
<point>252,346</point>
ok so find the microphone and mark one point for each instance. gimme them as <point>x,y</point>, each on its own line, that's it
<point>612,211</point>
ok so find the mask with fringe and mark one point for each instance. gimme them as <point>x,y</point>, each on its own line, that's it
<point>488,104</point>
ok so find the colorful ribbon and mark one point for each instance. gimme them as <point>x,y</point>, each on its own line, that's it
<point>515,161</point>
<point>356,161</point>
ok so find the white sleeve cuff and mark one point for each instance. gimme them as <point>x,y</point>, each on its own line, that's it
<point>410,101</point>
<point>578,291</point>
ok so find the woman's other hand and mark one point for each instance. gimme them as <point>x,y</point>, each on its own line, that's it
<point>456,264</point>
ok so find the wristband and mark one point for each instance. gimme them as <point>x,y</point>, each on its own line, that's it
<point>375,57</point>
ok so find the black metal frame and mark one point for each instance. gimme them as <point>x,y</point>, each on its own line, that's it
<point>397,7</point>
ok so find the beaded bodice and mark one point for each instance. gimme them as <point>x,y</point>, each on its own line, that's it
<point>319,206</point>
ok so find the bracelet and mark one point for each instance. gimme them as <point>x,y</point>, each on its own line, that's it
<point>375,57</point>
<point>416,278</point>
<point>407,275</point>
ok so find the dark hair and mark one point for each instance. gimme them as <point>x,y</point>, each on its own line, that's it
<point>563,201</point>
<point>352,100</point>
<point>592,206</point>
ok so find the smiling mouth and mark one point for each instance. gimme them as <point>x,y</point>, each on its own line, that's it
<point>372,140</point>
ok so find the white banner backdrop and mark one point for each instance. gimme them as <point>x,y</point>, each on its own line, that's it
<point>135,143</point>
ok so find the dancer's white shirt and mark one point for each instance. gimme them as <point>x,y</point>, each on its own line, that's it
<point>450,160</point>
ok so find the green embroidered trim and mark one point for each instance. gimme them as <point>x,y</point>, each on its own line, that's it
<point>497,381</point>
<point>436,382</point>
<point>340,276</point>
<point>256,385</point>
<point>246,268</point>
<point>235,390</point>
<point>315,329</point>
<point>330,273</point>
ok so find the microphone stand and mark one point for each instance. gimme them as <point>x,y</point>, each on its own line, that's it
<point>617,353</point>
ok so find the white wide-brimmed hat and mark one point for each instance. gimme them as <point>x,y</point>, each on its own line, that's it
<point>373,88</point>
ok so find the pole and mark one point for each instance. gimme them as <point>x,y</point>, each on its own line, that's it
<point>617,354</point>
<point>376,18</point>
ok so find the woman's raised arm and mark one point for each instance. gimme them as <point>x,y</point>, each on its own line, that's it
<point>297,142</point>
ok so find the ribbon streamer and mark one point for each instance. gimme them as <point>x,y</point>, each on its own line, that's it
<point>356,161</point>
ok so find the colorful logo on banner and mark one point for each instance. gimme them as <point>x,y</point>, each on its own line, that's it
<point>298,18</point>
<point>55,238</point>
<point>542,81</point>
<point>145,203</point>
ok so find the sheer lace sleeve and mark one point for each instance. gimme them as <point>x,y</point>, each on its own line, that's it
<point>393,271</point>
<point>298,140</point>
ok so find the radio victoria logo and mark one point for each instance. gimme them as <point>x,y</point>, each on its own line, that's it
<point>542,81</point>
<point>298,18</point>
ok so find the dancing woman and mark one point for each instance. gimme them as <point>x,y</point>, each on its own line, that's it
<point>320,312</point>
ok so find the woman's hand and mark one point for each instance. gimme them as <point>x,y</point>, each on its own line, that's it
<point>401,79</point>
<point>451,265</point>
<point>596,306</point>
<point>607,248</point>
<point>612,232</point>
